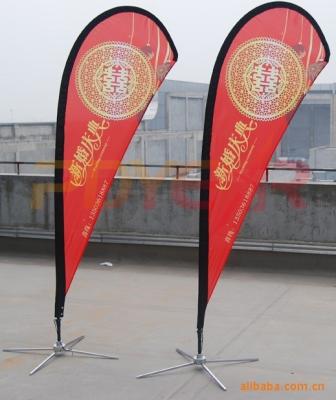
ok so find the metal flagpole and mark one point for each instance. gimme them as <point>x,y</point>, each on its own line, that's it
<point>107,37</point>
<point>232,166</point>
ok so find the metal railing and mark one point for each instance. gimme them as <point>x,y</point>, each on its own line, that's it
<point>178,168</point>
<point>298,170</point>
<point>18,164</point>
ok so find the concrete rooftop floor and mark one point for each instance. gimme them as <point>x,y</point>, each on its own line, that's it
<point>143,307</point>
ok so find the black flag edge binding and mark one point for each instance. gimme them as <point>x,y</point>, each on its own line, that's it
<point>60,348</point>
<point>59,151</point>
<point>199,359</point>
<point>204,191</point>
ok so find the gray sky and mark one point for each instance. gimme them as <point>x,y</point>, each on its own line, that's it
<point>36,37</point>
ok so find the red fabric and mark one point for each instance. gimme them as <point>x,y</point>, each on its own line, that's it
<point>259,89</point>
<point>123,60</point>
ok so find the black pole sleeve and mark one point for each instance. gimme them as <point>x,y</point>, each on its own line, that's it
<point>58,329</point>
<point>200,341</point>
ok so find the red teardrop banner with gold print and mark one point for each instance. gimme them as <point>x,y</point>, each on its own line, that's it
<point>262,73</point>
<point>113,71</point>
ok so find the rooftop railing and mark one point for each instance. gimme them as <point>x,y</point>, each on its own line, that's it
<point>181,171</point>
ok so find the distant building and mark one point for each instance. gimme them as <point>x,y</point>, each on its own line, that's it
<point>172,133</point>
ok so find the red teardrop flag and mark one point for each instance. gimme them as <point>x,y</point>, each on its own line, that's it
<point>114,69</point>
<point>263,71</point>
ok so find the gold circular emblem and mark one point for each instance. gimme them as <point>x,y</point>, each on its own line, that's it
<point>115,80</point>
<point>265,79</point>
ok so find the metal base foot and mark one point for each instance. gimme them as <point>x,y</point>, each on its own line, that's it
<point>59,349</point>
<point>200,360</point>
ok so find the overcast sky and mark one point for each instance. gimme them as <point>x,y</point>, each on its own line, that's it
<point>36,37</point>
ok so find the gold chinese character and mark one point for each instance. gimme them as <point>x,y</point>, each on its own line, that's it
<point>76,171</point>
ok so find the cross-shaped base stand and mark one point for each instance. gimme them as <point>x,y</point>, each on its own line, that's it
<point>200,361</point>
<point>59,349</point>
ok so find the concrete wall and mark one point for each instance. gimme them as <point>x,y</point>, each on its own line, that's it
<point>283,217</point>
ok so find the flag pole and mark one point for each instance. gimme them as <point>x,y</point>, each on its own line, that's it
<point>243,77</point>
<point>115,47</point>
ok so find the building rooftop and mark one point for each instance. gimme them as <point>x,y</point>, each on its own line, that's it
<point>144,306</point>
